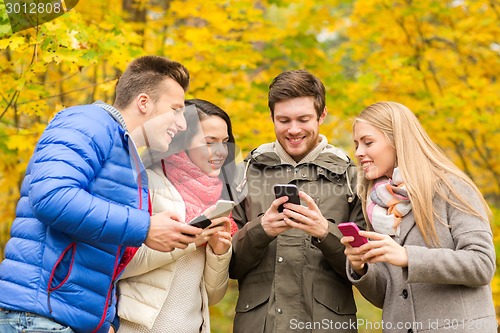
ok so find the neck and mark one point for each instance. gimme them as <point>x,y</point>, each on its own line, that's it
<point>134,127</point>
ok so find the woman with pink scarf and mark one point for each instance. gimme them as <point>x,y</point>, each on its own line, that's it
<point>170,292</point>
<point>430,259</point>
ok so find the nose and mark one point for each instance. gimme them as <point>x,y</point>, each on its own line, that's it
<point>359,153</point>
<point>294,128</point>
<point>180,122</point>
<point>219,149</point>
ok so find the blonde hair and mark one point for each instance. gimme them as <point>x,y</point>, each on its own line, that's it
<point>424,167</point>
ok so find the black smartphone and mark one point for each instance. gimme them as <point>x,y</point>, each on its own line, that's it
<point>200,222</point>
<point>289,190</point>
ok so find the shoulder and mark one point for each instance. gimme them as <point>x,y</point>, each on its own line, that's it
<point>83,121</point>
<point>456,194</point>
<point>83,115</point>
<point>157,182</point>
<point>454,187</point>
<point>263,153</point>
<point>334,160</point>
<point>336,152</point>
<point>164,195</point>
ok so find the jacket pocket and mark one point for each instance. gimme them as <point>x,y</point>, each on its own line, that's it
<point>251,308</point>
<point>334,295</point>
<point>254,291</point>
<point>61,270</point>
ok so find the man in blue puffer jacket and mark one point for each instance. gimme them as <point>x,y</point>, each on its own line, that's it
<point>84,204</point>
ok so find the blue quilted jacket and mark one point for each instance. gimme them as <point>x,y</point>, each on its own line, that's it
<point>83,201</point>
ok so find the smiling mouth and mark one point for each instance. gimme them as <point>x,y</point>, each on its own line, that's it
<point>171,133</point>
<point>216,163</point>
<point>296,140</point>
<point>366,165</point>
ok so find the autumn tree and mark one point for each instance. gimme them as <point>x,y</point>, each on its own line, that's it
<point>441,58</point>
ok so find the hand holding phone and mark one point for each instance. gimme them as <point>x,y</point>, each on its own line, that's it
<point>222,208</point>
<point>351,229</point>
<point>289,190</point>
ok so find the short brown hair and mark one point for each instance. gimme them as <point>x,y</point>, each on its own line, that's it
<point>144,75</point>
<point>297,83</point>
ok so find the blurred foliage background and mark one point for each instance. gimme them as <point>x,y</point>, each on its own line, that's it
<point>441,58</point>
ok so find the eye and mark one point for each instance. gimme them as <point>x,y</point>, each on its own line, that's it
<point>178,110</point>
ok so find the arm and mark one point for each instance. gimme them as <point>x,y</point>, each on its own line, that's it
<point>472,260</point>
<point>252,241</point>
<point>367,278</point>
<point>372,285</point>
<point>216,274</point>
<point>147,259</point>
<point>249,245</point>
<point>465,256</point>
<point>325,235</point>
<point>69,155</point>
<point>355,207</point>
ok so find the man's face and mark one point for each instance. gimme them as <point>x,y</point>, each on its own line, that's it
<point>165,117</point>
<point>296,126</point>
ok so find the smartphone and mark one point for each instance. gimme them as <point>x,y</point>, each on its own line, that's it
<point>351,229</point>
<point>222,208</point>
<point>290,190</point>
<point>200,221</point>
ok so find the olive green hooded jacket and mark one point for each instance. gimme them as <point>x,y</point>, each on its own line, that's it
<point>293,282</point>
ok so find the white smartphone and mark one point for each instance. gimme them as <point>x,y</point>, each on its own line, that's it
<point>222,208</point>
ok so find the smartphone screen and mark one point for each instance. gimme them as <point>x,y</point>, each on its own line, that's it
<point>289,190</point>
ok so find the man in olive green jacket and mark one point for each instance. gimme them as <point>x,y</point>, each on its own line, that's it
<point>290,266</point>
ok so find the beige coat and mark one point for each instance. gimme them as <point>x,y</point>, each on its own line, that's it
<point>443,289</point>
<point>145,283</point>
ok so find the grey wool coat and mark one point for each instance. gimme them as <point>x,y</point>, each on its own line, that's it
<point>443,289</point>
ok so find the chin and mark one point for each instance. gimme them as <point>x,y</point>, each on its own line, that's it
<point>213,173</point>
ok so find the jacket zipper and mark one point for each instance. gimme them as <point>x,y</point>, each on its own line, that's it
<point>118,257</point>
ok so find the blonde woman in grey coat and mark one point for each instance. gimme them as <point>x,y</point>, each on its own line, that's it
<point>430,258</point>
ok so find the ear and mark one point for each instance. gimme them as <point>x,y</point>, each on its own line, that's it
<point>323,116</point>
<point>142,102</point>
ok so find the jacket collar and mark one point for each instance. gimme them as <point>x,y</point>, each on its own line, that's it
<point>331,158</point>
<point>113,112</point>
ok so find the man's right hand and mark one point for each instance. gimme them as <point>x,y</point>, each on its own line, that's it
<point>166,232</point>
<point>272,221</point>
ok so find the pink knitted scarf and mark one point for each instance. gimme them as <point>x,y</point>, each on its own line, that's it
<point>198,190</point>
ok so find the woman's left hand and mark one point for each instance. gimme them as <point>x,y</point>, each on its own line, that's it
<point>220,240</point>
<point>382,248</point>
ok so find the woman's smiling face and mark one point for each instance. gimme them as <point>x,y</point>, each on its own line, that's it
<point>208,149</point>
<point>374,151</point>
